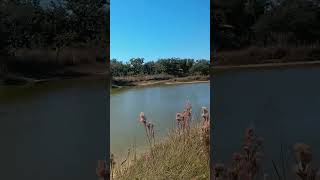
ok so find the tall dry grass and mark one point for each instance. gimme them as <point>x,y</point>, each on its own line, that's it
<point>172,158</point>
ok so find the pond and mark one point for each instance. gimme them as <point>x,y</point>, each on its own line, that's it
<point>159,103</point>
<point>57,129</point>
<point>282,105</point>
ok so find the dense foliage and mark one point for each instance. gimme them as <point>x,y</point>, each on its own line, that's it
<point>242,23</point>
<point>28,24</point>
<point>171,66</point>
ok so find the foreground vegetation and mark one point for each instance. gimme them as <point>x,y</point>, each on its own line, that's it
<point>173,158</point>
<point>182,154</point>
<point>247,163</point>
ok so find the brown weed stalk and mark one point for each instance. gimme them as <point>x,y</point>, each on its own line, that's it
<point>112,164</point>
<point>205,128</point>
<point>245,164</point>
<point>183,118</point>
<point>149,128</point>
<point>101,170</point>
<point>303,168</point>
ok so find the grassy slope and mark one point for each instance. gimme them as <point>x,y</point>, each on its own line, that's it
<point>173,158</point>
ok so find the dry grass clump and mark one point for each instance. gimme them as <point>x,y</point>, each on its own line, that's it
<point>180,155</point>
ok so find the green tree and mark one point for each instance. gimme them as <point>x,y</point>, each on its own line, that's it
<point>137,65</point>
<point>200,67</point>
<point>296,19</point>
<point>149,68</point>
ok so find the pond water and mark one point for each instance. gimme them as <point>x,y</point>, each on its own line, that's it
<point>57,129</point>
<point>281,104</point>
<point>159,104</point>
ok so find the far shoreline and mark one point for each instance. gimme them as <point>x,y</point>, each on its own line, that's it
<point>14,80</point>
<point>297,64</point>
<point>84,71</point>
<point>166,82</point>
<point>171,81</point>
<point>17,80</point>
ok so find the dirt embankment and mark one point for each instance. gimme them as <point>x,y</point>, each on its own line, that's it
<point>118,82</point>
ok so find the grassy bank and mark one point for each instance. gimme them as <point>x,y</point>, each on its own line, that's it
<point>264,55</point>
<point>154,79</point>
<point>37,65</point>
<point>176,156</point>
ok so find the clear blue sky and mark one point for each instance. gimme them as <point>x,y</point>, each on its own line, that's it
<point>154,29</point>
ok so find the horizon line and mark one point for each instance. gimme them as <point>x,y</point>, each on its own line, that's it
<point>178,58</point>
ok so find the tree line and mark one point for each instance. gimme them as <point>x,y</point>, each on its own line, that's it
<point>242,23</point>
<point>170,66</point>
<point>29,24</point>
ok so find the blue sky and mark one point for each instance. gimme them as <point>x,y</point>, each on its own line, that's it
<point>154,29</point>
